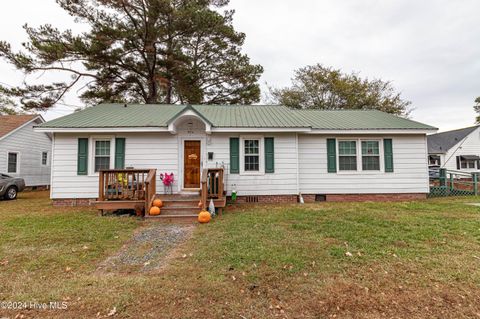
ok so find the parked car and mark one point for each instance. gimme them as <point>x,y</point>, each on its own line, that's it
<point>10,186</point>
<point>434,171</point>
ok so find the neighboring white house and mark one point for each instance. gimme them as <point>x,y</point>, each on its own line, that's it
<point>271,151</point>
<point>455,150</point>
<point>24,152</point>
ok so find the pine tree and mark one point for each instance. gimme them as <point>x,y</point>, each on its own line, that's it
<point>142,51</point>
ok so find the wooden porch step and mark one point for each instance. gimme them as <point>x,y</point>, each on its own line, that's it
<point>178,197</point>
<point>180,203</point>
<point>173,218</point>
<point>180,210</point>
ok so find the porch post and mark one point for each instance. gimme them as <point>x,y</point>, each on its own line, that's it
<point>443,177</point>
<point>475,183</point>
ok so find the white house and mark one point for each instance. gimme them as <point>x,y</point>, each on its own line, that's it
<point>24,152</point>
<point>269,153</point>
<point>455,150</point>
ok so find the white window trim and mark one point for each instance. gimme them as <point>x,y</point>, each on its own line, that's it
<point>359,156</point>
<point>91,156</point>
<point>18,162</point>
<point>469,168</point>
<point>338,154</point>
<point>41,158</point>
<point>380,156</point>
<point>261,155</point>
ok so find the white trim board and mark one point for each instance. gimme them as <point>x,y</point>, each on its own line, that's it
<point>237,130</point>
<point>101,129</point>
<point>371,131</point>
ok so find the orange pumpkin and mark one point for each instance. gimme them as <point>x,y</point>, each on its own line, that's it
<point>200,204</point>
<point>154,211</point>
<point>158,203</point>
<point>204,217</point>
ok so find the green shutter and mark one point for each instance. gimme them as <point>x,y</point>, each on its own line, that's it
<point>234,155</point>
<point>269,155</point>
<point>388,154</point>
<point>119,153</point>
<point>331,155</point>
<point>82,157</point>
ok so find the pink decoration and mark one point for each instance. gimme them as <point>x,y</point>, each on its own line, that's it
<point>167,179</point>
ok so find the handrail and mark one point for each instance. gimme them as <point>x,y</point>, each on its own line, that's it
<point>212,185</point>
<point>151,190</point>
<point>204,189</point>
<point>122,184</point>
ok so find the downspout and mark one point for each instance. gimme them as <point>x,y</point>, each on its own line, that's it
<point>52,161</point>
<point>300,198</point>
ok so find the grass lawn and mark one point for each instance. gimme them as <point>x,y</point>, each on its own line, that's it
<point>344,260</point>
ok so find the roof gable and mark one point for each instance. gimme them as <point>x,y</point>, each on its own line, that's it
<point>442,142</point>
<point>9,123</point>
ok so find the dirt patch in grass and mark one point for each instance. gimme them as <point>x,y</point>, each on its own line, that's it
<point>398,290</point>
<point>148,250</point>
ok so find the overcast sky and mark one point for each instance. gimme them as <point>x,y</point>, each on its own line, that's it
<point>429,49</point>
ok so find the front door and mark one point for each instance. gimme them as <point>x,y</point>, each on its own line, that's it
<point>191,164</point>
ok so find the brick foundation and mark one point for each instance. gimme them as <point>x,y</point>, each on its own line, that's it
<point>266,199</point>
<point>280,199</point>
<point>36,188</point>
<point>310,198</point>
<point>71,202</point>
<point>375,197</point>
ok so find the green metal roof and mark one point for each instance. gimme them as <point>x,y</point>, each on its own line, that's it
<point>117,115</point>
<point>359,120</point>
<point>259,116</point>
<point>250,116</point>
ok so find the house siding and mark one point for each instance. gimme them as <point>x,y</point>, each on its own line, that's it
<point>147,150</point>
<point>29,145</point>
<point>409,161</point>
<point>163,151</point>
<point>470,145</point>
<point>282,182</point>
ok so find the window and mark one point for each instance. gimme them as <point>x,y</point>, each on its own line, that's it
<point>370,156</point>
<point>12,163</point>
<point>468,161</point>
<point>252,155</point>
<point>44,158</point>
<point>347,155</point>
<point>434,160</point>
<point>102,155</point>
<point>464,163</point>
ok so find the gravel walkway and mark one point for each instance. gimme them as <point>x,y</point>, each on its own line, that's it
<point>148,248</point>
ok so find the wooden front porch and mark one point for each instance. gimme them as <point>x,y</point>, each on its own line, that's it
<point>135,189</point>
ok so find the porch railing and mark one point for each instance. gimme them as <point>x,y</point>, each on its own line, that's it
<point>127,185</point>
<point>151,190</point>
<point>212,185</point>
<point>445,182</point>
